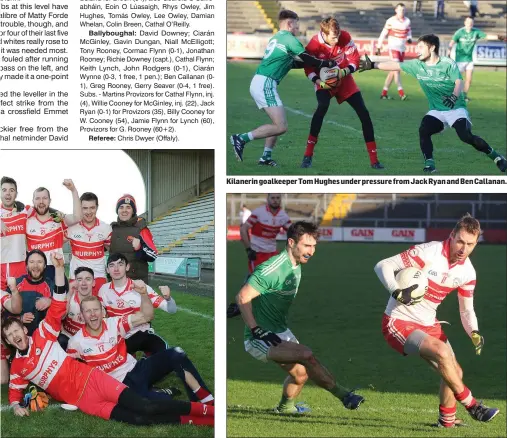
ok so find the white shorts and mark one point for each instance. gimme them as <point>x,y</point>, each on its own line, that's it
<point>263,91</point>
<point>465,66</point>
<point>259,349</point>
<point>449,117</point>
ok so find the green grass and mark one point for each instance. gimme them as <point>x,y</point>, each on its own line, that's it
<point>195,334</point>
<point>338,313</point>
<point>341,149</point>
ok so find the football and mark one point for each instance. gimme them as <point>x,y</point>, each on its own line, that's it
<point>410,276</point>
<point>330,76</point>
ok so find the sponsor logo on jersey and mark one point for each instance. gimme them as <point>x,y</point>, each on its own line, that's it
<point>49,370</point>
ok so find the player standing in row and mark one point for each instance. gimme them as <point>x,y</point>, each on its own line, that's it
<point>283,53</point>
<point>45,231</point>
<point>465,40</point>
<point>441,81</point>
<point>398,32</point>
<point>412,327</point>
<point>335,44</point>
<point>264,302</point>
<point>89,239</point>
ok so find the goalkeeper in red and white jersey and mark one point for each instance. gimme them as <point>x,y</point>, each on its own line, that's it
<point>410,326</point>
<point>335,44</point>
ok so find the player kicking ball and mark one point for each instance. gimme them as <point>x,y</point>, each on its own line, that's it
<point>442,83</point>
<point>410,326</point>
<point>264,302</point>
<point>283,52</point>
<point>333,43</point>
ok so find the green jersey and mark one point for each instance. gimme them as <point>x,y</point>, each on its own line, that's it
<point>277,281</point>
<point>436,80</point>
<point>465,43</point>
<point>279,55</point>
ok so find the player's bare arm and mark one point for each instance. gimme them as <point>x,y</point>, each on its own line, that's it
<point>14,305</point>
<point>146,312</point>
<point>244,299</point>
<point>245,238</point>
<point>76,215</point>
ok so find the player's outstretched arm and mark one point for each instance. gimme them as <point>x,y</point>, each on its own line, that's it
<point>316,62</point>
<point>365,63</point>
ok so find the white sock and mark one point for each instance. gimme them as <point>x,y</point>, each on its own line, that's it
<point>250,136</point>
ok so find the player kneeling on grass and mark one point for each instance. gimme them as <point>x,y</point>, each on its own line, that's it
<point>283,52</point>
<point>410,326</point>
<point>442,84</point>
<point>264,302</point>
<point>40,359</point>
<point>334,44</point>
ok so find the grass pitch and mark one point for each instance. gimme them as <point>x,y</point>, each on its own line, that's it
<point>338,313</point>
<point>341,149</point>
<point>194,332</point>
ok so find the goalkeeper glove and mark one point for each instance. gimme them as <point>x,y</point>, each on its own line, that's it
<point>269,338</point>
<point>478,342</point>
<point>404,296</point>
<point>409,40</point>
<point>324,86</point>
<point>450,101</point>
<point>252,255</point>
<point>377,52</point>
<point>365,63</point>
<point>330,63</point>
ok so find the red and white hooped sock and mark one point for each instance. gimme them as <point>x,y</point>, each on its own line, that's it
<point>466,398</point>
<point>446,415</point>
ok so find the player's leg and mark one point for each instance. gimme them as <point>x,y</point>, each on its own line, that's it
<point>323,99</point>
<point>146,341</point>
<point>387,84</point>
<point>397,79</point>
<point>292,387</point>
<point>463,128</point>
<point>357,103</point>
<point>269,145</point>
<point>430,125</point>
<point>469,71</point>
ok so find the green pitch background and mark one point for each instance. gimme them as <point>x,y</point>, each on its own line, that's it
<point>194,333</point>
<point>338,313</point>
<point>341,149</point>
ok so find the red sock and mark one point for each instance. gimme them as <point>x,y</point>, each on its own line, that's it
<point>466,398</point>
<point>204,396</point>
<point>401,92</point>
<point>310,145</point>
<point>371,147</point>
<point>384,92</point>
<point>201,410</point>
<point>447,416</point>
<point>197,421</point>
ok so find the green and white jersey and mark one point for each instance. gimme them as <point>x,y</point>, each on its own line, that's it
<point>277,281</point>
<point>465,43</point>
<point>436,80</point>
<point>279,55</point>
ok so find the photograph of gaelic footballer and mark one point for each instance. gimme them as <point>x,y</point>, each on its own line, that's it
<point>405,77</point>
<point>107,273</point>
<point>338,322</point>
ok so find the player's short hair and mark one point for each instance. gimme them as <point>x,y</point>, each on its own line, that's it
<point>469,224</point>
<point>8,180</point>
<point>36,251</point>
<point>469,18</point>
<point>41,189</point>
<point>84,269</point>
<point>88,299</point>
<point>115,257</point>
<point>6,323</point>
<point>285,14</point>
<point>430,40</point>
<point>329,24</point>
<point>89,196</point>
<point>300,228</point>
<point>400,4</point>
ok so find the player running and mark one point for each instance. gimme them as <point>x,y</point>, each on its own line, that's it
<point>89,239</point>
<point>442,84</point>
<point>398,32</point>
<point>264,302</point>
<point>40,360</point>
<point>12,303</point>
<point>336,44</point>
<point>283,52</point>
<point>411,327</point>
<point>465,40</point>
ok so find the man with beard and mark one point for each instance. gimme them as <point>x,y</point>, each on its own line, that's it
<point>45,231</point>
<point>132,238</point>
<point>264,302</point>
<point>89,239</point>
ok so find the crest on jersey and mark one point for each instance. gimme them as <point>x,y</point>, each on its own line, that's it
<point>43,231</point>
<point>111,340</point>
<point>100,236</point>
<point>455,282</point>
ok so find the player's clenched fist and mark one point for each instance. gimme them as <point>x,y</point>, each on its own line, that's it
<point>27,318</point>
<point>69,184</point>
<point>11,284</point>
<point>404,296</point>
<point>269,338</point>
<point>57,260</point>
<point>166,292</point>
<point>478,342</point>
<point>140,286</point>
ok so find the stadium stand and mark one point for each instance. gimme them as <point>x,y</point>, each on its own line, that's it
<point>188,230</point>
<point>247,17</point>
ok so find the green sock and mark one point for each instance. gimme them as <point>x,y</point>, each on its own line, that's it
<point>339,391</point>
<point>267,154</point>
<point>429,162</point>
<point>245,137</point>
<point>464,95</point>
<point>286,403</point>
<point>493,154</point>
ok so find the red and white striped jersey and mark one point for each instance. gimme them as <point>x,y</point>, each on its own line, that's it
<point>265,227</point>
<point>46,236</point>
<point>46,364</point>
<point>126,301</point>
<point>397,33</point>
<point>73,321</point>
<point>443,278</point>
<point>106,351</point>
<point>13,241</point>
<point>87,245</point>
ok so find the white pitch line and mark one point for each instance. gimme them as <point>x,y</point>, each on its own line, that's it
<point>365,408</point>
<point>192,312</point>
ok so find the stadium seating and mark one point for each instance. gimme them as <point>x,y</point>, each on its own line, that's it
<point>246,17</point>
<point>188,231</point>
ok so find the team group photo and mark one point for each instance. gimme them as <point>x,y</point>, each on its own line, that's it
<point>107,289</point>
